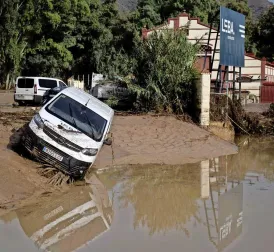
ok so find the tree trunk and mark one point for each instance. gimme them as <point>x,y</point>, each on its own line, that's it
<point>11,82</point>
<point>7,81</point>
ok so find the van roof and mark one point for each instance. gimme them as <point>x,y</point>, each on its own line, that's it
<point>92,103</point>
<point>48,78</point>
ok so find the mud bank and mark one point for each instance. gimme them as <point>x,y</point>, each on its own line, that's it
<point>223,130</point>
<point>18,176</point>
<point>136,140</point>
<point>160,140</point>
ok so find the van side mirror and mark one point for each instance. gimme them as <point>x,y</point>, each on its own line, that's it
<point>108,141</point>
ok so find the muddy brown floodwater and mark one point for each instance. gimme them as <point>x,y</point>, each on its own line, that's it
<point>221,204</point>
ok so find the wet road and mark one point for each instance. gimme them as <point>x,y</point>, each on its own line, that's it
<point>223,204</point>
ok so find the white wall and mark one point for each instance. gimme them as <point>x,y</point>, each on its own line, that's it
<point>203,92</point>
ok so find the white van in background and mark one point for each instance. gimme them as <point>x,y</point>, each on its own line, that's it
<point>32,89</point>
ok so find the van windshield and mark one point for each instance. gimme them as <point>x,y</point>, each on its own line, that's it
<point>78,116</point>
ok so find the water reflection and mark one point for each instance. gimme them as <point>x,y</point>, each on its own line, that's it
<point>209,194</point>
<point>255,156</point>
<point>223,207</point>
<point>199,207</point>
<point>169,198</point>
<point>69,221</point>
<point>164,198</point>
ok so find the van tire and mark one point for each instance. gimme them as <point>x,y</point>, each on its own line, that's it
<point>38,99</point>
<point>20,103</point>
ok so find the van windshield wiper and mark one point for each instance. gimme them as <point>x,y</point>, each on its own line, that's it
<point>73,120</point>
<point>92,129</point>
<point>68,130</point>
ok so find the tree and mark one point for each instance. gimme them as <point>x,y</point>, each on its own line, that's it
<point>52,36</point>
<point>12,43</point>
<point>165,72</point>
<point>105,41</point>
<point>263,36</point>
<point>148,13</point>
<point>154,12</point>
<point>203,9</point>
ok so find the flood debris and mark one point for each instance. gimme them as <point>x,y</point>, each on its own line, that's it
<point>60,179</point>
<point>47,171</point>
<point>245,123</point>
<point>55,177</point>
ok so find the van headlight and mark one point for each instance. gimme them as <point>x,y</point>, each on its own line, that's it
<point>38,120</point>
<point>90,151</point>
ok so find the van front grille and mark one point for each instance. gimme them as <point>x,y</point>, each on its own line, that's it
<point>61,140</point>
<point>45,144</point>
<point>44,157</point>
<point>28,143</point>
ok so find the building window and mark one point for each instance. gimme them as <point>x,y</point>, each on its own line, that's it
<point>204,49</point>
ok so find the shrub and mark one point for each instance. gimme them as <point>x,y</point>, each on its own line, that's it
<point>165,74</point>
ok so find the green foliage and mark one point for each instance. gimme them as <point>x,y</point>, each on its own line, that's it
<point>154,12</point>
<point>48,52</point>
<point>57,38</point>
<point>165,72</point>
<point>263,35</point>
<point>12,44</point>
<point>105,41</point>
<point>112,101</point>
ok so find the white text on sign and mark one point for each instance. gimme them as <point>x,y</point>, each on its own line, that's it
<point>227,27</point>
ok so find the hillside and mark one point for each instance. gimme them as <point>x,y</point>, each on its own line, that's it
<point>258,6</point>
<point>127,5</point>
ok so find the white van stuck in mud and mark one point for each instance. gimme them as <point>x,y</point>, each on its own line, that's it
<point>69,131</point>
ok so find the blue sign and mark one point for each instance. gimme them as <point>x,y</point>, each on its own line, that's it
<point>232,41</point>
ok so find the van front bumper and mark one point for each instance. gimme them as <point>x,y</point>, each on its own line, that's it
<point>69,165</point>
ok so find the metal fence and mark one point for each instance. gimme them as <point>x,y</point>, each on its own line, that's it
<point>89,80</point>
<point>85,78</point>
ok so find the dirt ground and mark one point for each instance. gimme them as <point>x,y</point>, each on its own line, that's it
<point>257,107</point>
<point>159,140</point>
<point>6,98</point>
<point>18,175</point>
<point>136,140</point>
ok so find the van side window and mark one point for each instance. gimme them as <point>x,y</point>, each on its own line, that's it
<point>45,83</point>
<point>62,84</point>
<point>25,83</point>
